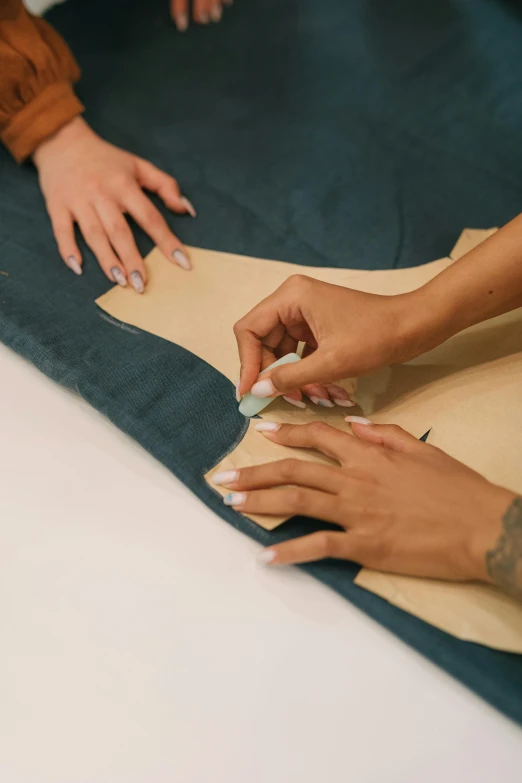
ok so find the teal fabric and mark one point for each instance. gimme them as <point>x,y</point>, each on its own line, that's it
<point>357,133</point>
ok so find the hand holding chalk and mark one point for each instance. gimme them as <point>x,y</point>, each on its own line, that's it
<point>251,405</point>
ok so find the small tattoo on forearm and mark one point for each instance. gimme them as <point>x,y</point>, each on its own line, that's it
<point>504,562</point>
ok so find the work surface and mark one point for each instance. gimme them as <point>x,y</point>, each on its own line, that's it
<point>141,642</point>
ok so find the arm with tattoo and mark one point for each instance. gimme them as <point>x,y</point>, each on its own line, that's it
<point>504,562</point>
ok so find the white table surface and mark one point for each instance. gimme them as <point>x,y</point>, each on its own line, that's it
<point>141,643</point>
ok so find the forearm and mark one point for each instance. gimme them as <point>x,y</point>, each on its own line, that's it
<point>482,284</point>
<point>504,561</point>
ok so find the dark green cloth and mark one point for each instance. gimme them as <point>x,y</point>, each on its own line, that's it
<point>357,133</point>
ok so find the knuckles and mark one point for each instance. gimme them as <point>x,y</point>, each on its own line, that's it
<point>298,283</point>
<point>289,469</point>
<point>325,545</point>
<point>296,498</point>
<point>318,429</point>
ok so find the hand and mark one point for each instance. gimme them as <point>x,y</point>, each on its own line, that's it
<point>87,181</point>
<point>403,506</point>
<point>203,11</point>
<point>347,333</point>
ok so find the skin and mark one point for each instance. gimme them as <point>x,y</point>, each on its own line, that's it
<point>203,11</point>
<point>402,506</point>
<point>87,181</point>
<point>349,333</point>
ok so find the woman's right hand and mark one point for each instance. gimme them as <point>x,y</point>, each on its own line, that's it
<point>86,180</point>
<point>347,333</point>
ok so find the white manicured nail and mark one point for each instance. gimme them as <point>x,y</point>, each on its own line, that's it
<point>73,265</point>
<point>264,389</point>
<point>181,259</point>
<point>189,207</point>
<point>267,426</point>
<point>297,403</point>
<point>226,477</point>
<point>182,22</point>
<point>238,396</point>
<point>266,556</point>
<point>358,420</point>
<point>343,403</point>
<point>235,499</point>
<point>137,282</point>
<point>322,402</point>
<point>118,276</point>
<point>216,12</point>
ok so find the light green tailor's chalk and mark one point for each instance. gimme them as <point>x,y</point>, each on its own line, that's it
<point>250,405</point>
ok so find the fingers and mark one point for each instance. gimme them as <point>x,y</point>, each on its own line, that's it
<point>179,10</point>
<point>250,333</point>
<point>167,188</point>
<point>317,546</point>
<point>339,395</point>
<point>63,229</point>
<point>318,394</point>
<point>299,375</point>
<point>317,435</point>
<point>216,12</point>
<point>157,181</point>
<point>154,224</point>
<point>204,11</point>
<point>121,239</point>
<point>288,471</point>
<point>286,501</point>
<point>390,436</point>
<point>96,237</point>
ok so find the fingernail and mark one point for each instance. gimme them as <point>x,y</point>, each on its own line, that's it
<point>266,556</point>
<point>182,22</point>
<point>264,389</point>
<point>216,12</point>
<point>297,403</point>
<point>226,477</point>
<point>358,420</point>
<point>74,266</point>
<point>203,18</point>
<point>137,282</point>
<point>118,276</point>
<point>189,207</point>
<point>238,396</point>
<point>343,403</point>
<point>235,499</point>
<point>181,259</point>
<point>323,403</point>
<point>267,426</point>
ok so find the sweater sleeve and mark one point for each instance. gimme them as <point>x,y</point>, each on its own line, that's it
<point>37,70</point>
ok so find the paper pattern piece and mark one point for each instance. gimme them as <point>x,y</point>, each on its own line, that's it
<point>257,450</point>
<point>223,287</point>
<point>472,612</point>
<point>460,379</point>
<point>469,240</point>
<point>494,447</point>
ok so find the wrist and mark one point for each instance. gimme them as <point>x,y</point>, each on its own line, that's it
<point>73,131</point>
<point>425,321</point>
<point>488,532</point>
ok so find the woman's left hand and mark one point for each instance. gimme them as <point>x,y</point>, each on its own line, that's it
<point>404,506</point>
<point>203,11</point>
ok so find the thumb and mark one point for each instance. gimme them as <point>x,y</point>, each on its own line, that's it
<point>315,368</point>
<point>388,435</point>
